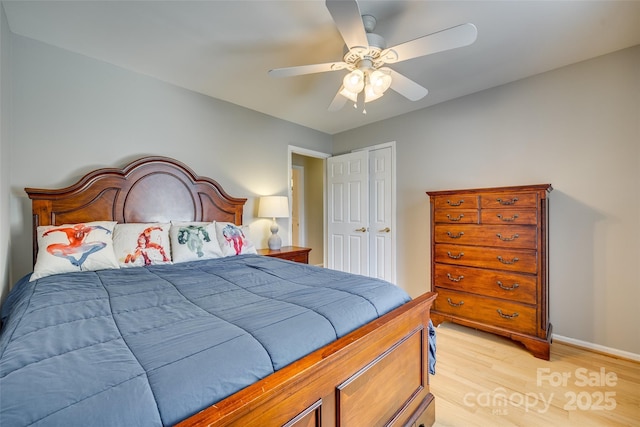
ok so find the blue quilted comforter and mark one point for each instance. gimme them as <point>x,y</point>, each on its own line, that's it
<point>152,346</point>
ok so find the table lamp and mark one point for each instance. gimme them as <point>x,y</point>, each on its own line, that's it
<point>274,207</point>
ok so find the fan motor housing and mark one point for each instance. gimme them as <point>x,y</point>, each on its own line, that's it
<point>376,41</point>
<point>376,45</point>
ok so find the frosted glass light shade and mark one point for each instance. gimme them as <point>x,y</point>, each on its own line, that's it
<point>370,93</point>
<point>349,95</point>
<point>354,81</point>
<point>380,81</point>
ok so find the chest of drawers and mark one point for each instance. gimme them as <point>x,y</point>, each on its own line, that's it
<point>489,253</point>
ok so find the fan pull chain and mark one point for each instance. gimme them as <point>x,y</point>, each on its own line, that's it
<point>361,101</point>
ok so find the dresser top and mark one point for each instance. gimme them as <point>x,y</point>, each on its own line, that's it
<point>518,188</point>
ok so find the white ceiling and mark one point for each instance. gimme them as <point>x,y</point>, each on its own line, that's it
<point>225,48</point>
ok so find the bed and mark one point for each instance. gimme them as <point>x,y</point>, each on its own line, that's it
<point>175,343</point>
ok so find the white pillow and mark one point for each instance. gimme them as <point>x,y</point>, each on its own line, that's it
<point>74,247</point>
<point>191,241</point>
<point>138,244</point>
<point>234,239</point>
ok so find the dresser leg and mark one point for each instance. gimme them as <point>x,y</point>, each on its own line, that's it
<point>539,347</point>
<point>436,318</point>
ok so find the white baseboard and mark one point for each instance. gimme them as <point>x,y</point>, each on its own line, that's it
<point>599,348</point>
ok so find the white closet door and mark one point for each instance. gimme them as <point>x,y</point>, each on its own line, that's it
<point>348,212</point>
<point>381,234</point>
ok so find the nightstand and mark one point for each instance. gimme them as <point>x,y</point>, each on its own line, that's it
<point>291,253</point>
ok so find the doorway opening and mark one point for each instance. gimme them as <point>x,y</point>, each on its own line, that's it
<point>307,195</point>
<point>298,230</point>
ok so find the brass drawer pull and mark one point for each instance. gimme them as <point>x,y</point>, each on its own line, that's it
<point>450,218</point>
<point>453,304</point>
<point>460,255</point>
<point>455,236</point>
<point>507,288</point>
<point>507,239</point>
<point>513,218</point>
<point>458,203</point>
<point>505,261</point>
<point>454,279</point>
<point>507,202</point>
<point>507,316</point>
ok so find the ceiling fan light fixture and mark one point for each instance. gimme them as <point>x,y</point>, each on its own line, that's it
<point>373,83</point>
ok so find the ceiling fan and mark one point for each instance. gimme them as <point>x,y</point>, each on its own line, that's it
<point>367,54</point>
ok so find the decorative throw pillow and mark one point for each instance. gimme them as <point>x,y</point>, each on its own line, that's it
<point>138,244</point>
<point>74,247</point>
<point>234,239</point>
<point>191,241</point>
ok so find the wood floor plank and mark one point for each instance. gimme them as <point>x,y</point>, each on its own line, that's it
<point>486,380</point>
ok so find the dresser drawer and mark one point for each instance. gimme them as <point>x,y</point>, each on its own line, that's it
<point>503,236</point>
<point>522,260</point>
<point>492,283</point>
<point>509,216</point>
<point>510,315</point>
<point>456,201</point>
<point>301,257</point>
<point>508,199</point>
<point>456,216</point>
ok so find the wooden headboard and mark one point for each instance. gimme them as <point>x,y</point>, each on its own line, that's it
<point>150,189</point>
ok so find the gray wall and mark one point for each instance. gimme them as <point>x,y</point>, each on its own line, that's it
<point>72,114</point>
<point>577,128</point>
<point>5,148</point>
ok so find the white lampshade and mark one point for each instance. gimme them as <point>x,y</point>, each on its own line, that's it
<point>274,207</point>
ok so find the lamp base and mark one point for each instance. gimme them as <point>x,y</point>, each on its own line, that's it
<point>274,242</point>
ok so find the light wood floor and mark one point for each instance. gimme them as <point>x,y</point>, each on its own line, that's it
<point>485,380</point>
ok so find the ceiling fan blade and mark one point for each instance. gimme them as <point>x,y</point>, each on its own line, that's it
<point>406,87</point>
<point>307,69</point>
<point>346,15</point>
<point>451,38</point>
<point>338,101</point>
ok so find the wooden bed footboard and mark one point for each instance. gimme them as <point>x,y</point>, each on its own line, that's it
<point>374,376</point>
